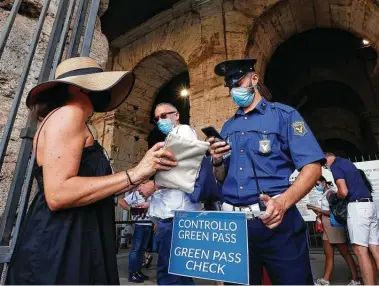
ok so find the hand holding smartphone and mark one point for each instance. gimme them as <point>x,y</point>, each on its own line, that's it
<point>210,131</point>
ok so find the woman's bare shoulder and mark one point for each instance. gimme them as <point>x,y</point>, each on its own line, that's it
<point>70,112</point>
<point>68,118</point>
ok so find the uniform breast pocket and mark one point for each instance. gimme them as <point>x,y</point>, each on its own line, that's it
<point>265,143</point>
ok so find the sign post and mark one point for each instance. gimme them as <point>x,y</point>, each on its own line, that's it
<point>210,245</point>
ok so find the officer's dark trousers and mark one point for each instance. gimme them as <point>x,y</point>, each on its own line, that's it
<point>164,237</point>
<point>283,251</point>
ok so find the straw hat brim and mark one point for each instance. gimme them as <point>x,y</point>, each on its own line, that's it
<point>120,83</point>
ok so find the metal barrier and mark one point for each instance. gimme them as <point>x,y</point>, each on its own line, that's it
<point>82,31</point>
<point>119,234</point>
<point>314,238</point>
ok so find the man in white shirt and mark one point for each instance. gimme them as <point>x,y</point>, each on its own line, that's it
<point>164,202</point>
<point>135,203</point>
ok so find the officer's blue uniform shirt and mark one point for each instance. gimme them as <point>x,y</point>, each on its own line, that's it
<point>292,147</point>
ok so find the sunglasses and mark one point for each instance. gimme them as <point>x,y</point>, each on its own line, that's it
<point>162,116</point>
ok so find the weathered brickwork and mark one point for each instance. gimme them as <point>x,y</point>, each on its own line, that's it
<point>11,65</point>
<point>195,35</point>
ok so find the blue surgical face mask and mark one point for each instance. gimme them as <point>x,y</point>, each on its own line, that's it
<point>242,96</point>
<point>165,125</point>
<point>319,188</point>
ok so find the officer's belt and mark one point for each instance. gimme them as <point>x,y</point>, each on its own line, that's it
<point>251,211</point>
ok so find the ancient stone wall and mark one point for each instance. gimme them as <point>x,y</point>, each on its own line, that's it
<point>193,35</point>
<point>197,34</point>
<point>11,65</point>
<point>331,123</point>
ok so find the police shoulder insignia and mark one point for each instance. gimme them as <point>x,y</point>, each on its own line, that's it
<point>299,128</point>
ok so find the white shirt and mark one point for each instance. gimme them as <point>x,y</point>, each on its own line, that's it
<point>324,201</point>
<point>164,202</point>
<point>134,198</point>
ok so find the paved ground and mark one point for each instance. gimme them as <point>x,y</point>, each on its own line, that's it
<point>339,277</point>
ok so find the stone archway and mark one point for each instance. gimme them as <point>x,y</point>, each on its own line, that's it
<point>282,22</point>
<point>341,147</point>
<point>124,132</point>
<point>132,119</point>
<point>276,21</point>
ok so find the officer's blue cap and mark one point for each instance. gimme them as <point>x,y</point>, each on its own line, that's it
<point>234,70</point>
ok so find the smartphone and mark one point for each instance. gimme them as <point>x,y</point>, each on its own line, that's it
<point>210,131</point>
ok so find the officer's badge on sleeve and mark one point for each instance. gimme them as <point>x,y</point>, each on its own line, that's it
<point>299,128</point>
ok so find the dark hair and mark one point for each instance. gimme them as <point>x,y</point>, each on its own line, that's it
<point>366,180</point>
<point>322,179</point>
<point>49,100</point>
<point>264,92</point>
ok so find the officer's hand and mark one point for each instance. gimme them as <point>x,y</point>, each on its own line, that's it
<point>274,212</point>
<point>218,149</point>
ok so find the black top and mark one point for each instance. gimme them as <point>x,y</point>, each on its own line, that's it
<point>70,246</point>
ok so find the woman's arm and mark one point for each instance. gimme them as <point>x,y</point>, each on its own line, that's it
<point>318,210</point>
<point>325,213</point>
<point>64,141</point>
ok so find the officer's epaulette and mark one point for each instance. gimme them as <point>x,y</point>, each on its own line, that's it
<point>281,106</point>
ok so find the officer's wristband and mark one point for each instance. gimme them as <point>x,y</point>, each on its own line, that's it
<point>218,164</point>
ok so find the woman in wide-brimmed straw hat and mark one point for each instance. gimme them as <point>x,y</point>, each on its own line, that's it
<point>68,234</point>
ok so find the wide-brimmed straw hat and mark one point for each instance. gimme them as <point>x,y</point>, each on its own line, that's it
<point>86,74</point>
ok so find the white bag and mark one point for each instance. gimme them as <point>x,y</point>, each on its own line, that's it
<point>189,154</point>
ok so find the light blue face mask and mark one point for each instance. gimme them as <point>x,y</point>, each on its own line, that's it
<point>165,125</point>
<point>319,188</point>
<point>242,96</point>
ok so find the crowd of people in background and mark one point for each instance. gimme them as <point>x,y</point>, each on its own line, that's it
<point>359,228</point>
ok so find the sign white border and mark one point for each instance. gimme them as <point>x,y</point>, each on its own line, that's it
<point>192,276</point>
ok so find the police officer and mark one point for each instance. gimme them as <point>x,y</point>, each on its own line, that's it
<point>265,143</point>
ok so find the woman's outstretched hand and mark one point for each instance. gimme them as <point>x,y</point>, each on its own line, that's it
<point>155,159</point>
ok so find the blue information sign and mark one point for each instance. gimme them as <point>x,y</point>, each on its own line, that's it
<point>210,245</point>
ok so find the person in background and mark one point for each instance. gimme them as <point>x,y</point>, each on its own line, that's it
<point>370,188</point>
<point>152,248</point>
<point>332,237</point>
<point>362,220</point>
<point>136,204</point>
<point>164,202</point>
<point>366,180</point>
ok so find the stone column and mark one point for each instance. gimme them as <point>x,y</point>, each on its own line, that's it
<point>209,104</point>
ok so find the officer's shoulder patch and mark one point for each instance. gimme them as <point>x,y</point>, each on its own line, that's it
<point>282,106</point>
<point>299,128</point>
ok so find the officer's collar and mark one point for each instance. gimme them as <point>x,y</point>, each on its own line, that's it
<point>261,107</point>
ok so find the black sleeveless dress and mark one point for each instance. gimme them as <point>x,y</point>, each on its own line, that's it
<point>71,246</point>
